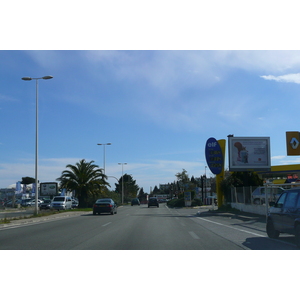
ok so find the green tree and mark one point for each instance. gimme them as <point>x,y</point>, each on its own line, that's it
<point>27,180</point>
<point>130,187</point>
<point>239,179</point>
<point>142,195</point>
<point>155,190</point>
<point>183,176</point>
<point>85,178</point>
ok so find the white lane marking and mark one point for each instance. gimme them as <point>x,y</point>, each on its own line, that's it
<point>246,231</point>
<point>194,235</point>
<point>106,224</point>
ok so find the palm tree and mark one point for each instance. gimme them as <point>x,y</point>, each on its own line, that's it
<point>85,178</point>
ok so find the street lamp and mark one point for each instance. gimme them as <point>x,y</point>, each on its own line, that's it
<point>36,135</point>
<point>122,181</point>
<point>104,154</point>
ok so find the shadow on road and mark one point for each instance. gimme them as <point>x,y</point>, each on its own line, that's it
<point>262,243</point>
<point>241,216</point>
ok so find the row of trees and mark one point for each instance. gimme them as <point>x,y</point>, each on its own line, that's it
<point>89,183</point>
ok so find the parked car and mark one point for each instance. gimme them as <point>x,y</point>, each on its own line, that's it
<point>74,203</point>
<point>61,202</point>
<point>259,196</point>
<point>32,203</point>
<point>26,202</point>
<point>153,202</point>
<point>46,204</point>
<point>284,215</point>
<point>8,203</point>
<point>135,201</point>
<point>105,205</point>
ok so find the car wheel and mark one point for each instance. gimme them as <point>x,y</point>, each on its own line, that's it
<point>112,213</point>
<point>271,231</point>
<point>297,236</point>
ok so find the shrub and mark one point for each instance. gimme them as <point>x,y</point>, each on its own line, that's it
<point>176,203</point>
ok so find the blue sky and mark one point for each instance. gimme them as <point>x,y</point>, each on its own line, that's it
<point>157,108</point>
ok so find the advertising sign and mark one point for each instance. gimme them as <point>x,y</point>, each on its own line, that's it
<point>48,189</point>
<point>214,156</point>
<point>249,154</point>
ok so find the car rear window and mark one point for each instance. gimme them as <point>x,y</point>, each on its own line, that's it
<point>103,201</point>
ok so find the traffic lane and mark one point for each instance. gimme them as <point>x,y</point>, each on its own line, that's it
<point>54,234</point>
<point>133,228</point>
<point>160,229</point>
<point>248,232</point>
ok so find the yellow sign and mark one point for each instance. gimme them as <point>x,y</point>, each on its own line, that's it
<point>293,142</point>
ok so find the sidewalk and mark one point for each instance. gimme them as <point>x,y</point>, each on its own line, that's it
<point>61,215</point>
<point>232,214</point>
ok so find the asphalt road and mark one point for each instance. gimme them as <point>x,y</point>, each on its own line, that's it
<point>141,228</point>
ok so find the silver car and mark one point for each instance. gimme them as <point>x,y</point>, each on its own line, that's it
<point>61,203</point>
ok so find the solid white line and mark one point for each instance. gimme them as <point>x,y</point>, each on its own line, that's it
<point>231,227</point>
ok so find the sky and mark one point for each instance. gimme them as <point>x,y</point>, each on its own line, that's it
<point>155,79</point>
<point>157,108</point>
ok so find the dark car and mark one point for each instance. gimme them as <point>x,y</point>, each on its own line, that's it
<point>284,215</point>
<point>153,202</point>
<point>105,205</point>
<point>135,201</point>
<point>46,204</point>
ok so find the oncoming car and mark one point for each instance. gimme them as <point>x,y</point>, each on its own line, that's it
<point>105,205</point>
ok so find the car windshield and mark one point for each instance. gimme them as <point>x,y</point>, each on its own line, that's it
<point>59,199</point>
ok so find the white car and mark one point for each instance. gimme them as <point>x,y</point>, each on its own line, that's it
<point>61,202</point>
<point>32,203</point>
<point>259,196</point>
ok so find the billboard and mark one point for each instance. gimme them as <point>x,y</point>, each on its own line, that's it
<point>249,154</point>
<point>48,189</point>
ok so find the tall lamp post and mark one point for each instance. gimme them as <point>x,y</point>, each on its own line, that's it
<point>122,181</point>
<point>36,136</point>
<point>104,154</point>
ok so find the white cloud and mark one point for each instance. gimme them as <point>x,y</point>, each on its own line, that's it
<point>293,78</point>
<point>278,157</point>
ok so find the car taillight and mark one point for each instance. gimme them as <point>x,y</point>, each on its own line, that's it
<point>109,205</point>
<point>95,205</point>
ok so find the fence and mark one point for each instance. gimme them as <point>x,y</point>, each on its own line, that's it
<point>253,199</point>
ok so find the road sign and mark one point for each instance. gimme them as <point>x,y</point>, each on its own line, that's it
<point>214,156</point>
<point>293,142</point>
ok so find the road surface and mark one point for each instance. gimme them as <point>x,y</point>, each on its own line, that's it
<point>141,228</point>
